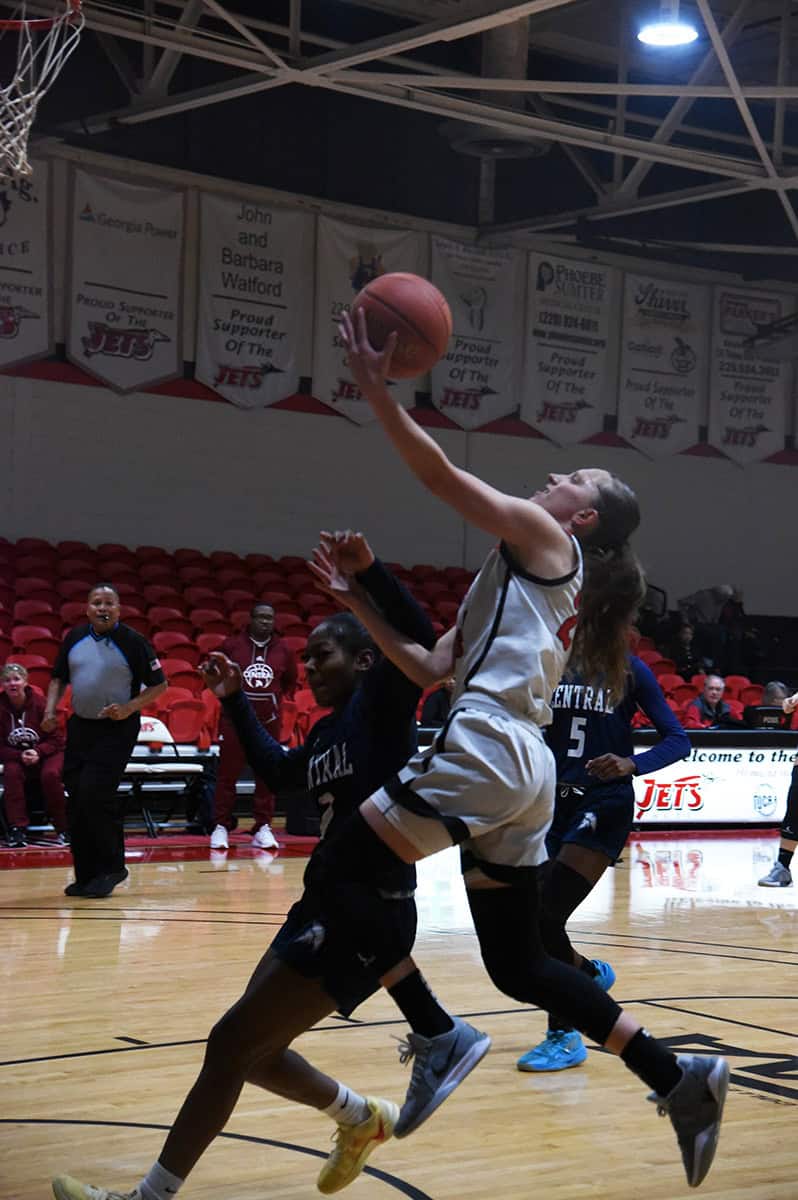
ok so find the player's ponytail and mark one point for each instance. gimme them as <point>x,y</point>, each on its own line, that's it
<point>613,590</point>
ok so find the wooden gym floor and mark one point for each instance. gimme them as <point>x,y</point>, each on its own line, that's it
<point>106,1004</point>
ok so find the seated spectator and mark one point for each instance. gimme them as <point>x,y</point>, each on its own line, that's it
<point>683,653</point>
<point>435,709</point>
<point>28,753</point>
<point>774,693</point>
<point>709,710</point>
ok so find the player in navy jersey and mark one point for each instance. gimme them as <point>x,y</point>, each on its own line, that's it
<point>591,740</point>
<point>311,969</point>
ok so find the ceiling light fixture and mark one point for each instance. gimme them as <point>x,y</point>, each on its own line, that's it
<point>668,29</point>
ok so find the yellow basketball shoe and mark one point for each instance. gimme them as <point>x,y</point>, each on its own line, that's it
<point>353,1145</point>
<point>67,1188</point>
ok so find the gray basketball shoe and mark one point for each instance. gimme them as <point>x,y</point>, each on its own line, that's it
<point>695,1108</point>
<point>777,876</point>
<point>439,1065</point>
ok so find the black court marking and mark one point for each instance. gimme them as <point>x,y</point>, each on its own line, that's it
<point>655,937</point>
<point>399,1185</point>
<point>133,1041</point>
<point>115,914</point>
<point>349,1023</point>
<point>213,912</point>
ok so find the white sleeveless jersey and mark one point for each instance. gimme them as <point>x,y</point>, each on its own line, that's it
<point>514,635</point>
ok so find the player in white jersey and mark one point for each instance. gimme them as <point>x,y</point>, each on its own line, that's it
<point>488,781</point>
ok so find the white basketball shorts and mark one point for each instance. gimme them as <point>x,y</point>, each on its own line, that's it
<point>488,779</point>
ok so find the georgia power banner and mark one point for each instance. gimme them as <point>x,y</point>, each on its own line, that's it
<point>748,396</point>
<point>26,329</point>
<point>566,376</point>
<point>125,291</point>
<point>477,380</point>
<point>664,356</point>
<point>255,300</point>
<point>347,257</point>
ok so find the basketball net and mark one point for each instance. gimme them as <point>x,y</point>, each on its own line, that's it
<point>43,46</point>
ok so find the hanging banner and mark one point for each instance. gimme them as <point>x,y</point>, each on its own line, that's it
<point>347,257</point>
<point>26,330</point>
<point>748,396</point>
<point>255,300</point>
<point>664,358</point>
<point>566,385</point>
<point>477,381</point>
<point>125,296</point>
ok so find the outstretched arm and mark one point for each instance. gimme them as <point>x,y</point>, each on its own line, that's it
<point>538,540</point>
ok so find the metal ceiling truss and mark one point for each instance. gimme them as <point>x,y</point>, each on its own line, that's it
<point>554,110</point>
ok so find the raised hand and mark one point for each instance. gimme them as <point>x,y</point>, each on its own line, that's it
<point>350,551</point>
<point>370,368</point>
<point>343,588</point>
<point>222,676</point>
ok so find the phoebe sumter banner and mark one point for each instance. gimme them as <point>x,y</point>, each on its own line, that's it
<point>25,317</point>
<point>125,292</point>
<point>255,301</point>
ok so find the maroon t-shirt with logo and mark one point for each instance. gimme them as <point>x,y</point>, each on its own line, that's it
<point>269,672</point>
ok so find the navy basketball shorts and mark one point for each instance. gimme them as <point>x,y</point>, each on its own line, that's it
<point>318,948</point>
<point>487,783</point>
<point>598,818</point>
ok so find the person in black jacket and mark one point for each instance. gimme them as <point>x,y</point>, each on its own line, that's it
<point>311,968</point>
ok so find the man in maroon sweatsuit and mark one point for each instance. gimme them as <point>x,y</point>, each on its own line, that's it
<point>269,669</point>
<point>26,752</point>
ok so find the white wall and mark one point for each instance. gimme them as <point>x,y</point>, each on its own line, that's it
<point>86,463</point>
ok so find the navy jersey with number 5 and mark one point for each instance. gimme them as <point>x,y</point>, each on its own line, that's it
<point>587,722</point>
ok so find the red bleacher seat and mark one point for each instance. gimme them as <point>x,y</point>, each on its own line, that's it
<point>447,611</point>
<point>185,555</point>
<point>230,577</point>
<point>72,589</point>
<point>663,666</point>
<point>684,694</point>
<point>176,645</point>
<point>213,711</point>
<point>170,620</point>
<point>219,559</point>
<point>268,581</point>
<point>161,703</point>
<point>185,720</point>
<point>157,571</point>
<point>33,587</point>
<point>751,694</point>
<point>32,545</point>
<point>73,612</point>
<point>5,648</point>
<point>295,642</point>
<point>698,681</point>
<point>206,642</point>
<point>238,598</point>
<point>76,568</point>
<point>36,564</point>
<point>138,622</point>
<point>258,562</point>
<point>72,547</point>
<point>180,673</point>
<point>28,660</point>
<point>423,571</point>
<point>209,620</point>
<point>151,554</point>
<point>288,722</point>
<point>311,602</point>
<point>669,681</point>
<point>22,634</point>
<point>201,596</point>
<point>734,684</point>
<point>240,618</point>
<point>291,562</point>
<point>111,549</point>
<point>23,609</point>
<point>39,677</point>
<point>648,656</point>
<point>196,575</point>
<point>165,594</point>
<point>47,648</point>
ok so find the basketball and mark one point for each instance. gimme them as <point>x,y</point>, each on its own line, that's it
<point>413,308</point>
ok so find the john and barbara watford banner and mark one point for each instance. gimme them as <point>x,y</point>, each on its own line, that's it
<point>255,300</point>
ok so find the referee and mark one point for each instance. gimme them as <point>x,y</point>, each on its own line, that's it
<point>114,673</point>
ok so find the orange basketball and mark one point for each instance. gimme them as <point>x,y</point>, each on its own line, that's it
<point>416,310</point>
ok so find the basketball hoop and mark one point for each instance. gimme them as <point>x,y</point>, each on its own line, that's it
<point>43,46</point>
